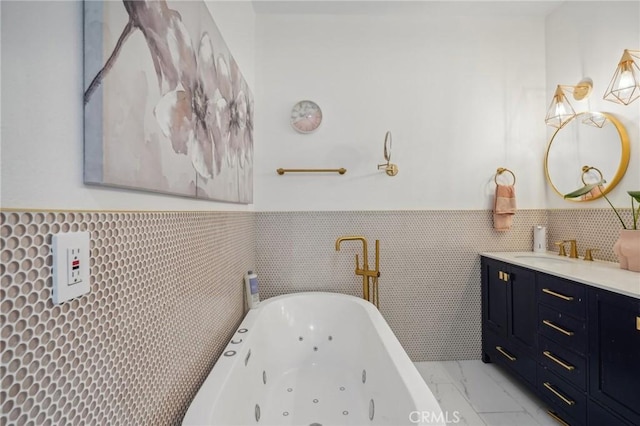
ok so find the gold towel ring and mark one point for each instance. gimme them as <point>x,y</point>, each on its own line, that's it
<point>500,171</point>
<point>587,169</point>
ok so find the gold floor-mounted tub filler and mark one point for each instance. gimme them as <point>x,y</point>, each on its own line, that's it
<point>371,296</point>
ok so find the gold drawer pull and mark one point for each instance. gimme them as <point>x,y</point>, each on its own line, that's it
<point>555,327</point>
<point>558,295</point>
<point>555,417</point>
<point>638,323</point>
<point>557,361</point>
<point>501,275</point>
<point>558,394</point>
<point>505,353</point>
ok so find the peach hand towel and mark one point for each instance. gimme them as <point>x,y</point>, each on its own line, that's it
<point>504,207</point>
<point>596,191</point>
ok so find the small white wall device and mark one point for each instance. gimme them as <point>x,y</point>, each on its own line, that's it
<point>70,265</point>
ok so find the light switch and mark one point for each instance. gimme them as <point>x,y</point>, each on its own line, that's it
<point>70,265</point>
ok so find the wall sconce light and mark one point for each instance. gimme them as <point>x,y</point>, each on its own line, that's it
<point>560,110</point>
<point>625,84</point>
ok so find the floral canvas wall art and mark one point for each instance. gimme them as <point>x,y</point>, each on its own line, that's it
<point>166,107</point>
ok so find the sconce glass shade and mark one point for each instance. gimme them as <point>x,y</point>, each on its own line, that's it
<point>625,84</point>
<point>595,119</point>
<point>560,110</point>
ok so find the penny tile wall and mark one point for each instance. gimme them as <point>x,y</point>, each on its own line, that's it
<point>429,263</point>
<point>166,295</point>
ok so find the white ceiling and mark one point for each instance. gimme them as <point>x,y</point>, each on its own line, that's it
<point>401,7</point>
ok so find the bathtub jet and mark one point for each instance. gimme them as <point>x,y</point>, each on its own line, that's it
<point>314,359</point>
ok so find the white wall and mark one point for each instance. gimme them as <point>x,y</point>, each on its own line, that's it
<point>586,39</point>
<point>462,96</point>
<point>42,142</point>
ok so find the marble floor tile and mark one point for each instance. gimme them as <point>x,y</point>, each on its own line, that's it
<point>519,418</point>
<point>483,393</point>
<point>455,407</point>
<point>495,397</point>
<point>531,403</point>
<point>434,372</point>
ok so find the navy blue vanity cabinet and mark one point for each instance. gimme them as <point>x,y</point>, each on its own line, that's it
<point>614,350</point>
<point>509,317</point>
<point>577,347</point>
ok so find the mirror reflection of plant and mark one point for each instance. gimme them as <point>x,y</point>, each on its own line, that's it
<point>635,195</point>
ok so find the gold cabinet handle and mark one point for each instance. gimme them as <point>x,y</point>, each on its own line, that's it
<point>505,353</point>
<point>555,417</point>
<point>506,276</point>
<point>557,361</point>
<point>501,275</point>
<point>555,327</point>
<point>558,295</point>
<point>638,323</point>
<point>558,394</point>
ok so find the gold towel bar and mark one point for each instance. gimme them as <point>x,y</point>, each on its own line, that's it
<point>500,171</point>
<point>341,170</point>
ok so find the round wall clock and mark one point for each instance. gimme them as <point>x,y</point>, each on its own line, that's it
<point>306,116</point>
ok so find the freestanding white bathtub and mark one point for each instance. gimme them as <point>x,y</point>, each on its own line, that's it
<point>314,359</point>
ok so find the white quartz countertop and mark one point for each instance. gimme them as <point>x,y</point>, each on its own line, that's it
<point>605,275</point>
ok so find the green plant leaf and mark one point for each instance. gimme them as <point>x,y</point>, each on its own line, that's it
<point>635,194</point>
<point>584,190</point>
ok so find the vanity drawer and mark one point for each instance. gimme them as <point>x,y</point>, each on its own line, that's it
<point>502,352</point>
<point>562,295</point>
<point>569,402</point>
<point>561,328</point>
<point>565,363</point>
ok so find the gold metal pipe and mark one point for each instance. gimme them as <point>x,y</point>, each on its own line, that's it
<point>365,277</point>
<point>355,238</point>
<point>282,171</point>
<point>376,294</point>
<point>369,289</point>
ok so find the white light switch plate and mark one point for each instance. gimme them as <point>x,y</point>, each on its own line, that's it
<point>70,265</point>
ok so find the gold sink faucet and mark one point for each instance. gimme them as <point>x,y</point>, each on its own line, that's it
<point>588,254</point>
<point>573,249</point>
<point>365,272</point>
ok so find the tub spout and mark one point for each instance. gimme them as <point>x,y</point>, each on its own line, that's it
<point>364,247</point>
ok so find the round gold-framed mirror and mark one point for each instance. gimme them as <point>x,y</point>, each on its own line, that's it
<point>591,146</point>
